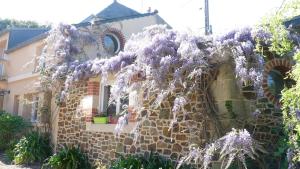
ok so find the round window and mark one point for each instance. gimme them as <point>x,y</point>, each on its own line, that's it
<point>275,83</point>
<point>111,43</point>
<point>275,79</point>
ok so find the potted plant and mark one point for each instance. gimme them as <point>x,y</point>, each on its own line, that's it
<point>100,119</point>
<point>113,119</point>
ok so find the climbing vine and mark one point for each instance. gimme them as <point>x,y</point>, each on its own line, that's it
<point>164,60</point>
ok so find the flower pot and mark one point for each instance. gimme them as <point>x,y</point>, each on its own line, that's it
<point>100,120</point>
<point>138,76</point>
<point>113,120</point>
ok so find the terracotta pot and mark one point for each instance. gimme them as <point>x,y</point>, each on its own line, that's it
<point>113,120</point>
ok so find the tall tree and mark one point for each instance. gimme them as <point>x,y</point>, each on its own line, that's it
<point>10,23</point>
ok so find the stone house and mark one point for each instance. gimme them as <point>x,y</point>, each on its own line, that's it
<point>72,122</point>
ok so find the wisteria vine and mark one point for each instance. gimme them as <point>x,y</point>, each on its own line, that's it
<point>164,59</point>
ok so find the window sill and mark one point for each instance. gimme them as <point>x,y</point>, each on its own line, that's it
<point>110,128</point>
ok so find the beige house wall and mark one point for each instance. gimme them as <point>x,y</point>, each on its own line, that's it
<point>19,88</point>
<point>4,37</point>
<point>22,61</point>
<point>21,77</point>
<point>3,46</point>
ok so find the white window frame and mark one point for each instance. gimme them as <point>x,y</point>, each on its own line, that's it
<point>117,39</point>
<point>102,97</point>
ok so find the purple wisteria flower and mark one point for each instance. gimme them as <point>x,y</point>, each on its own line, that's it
<point>256,113</point>
<point>248,48</point>
<point>236,144</point>
<point>243,35</point>
<point>262,36</point>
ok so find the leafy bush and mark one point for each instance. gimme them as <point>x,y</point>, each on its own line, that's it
<point>10,149</point>
<point>68,158</point>
<point>100,165</point>
<point>156,161</point>
<point>11,127</point>
<point>153,161</point>
<point>34,147</point>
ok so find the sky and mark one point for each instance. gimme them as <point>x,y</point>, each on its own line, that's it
<point>225,15</point>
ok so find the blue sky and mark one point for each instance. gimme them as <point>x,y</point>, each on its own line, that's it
<point>225,15</point>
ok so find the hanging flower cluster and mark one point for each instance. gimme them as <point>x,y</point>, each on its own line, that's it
<point>237,144</point>
<point>248,62</point>
<point>165,60</point>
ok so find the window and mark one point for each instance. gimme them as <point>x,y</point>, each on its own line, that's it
<point>111,43</point>
<point>111,109</point>
<point>1,70</point>
<point>30,107</point>
<point>16,104</point>
<point>275,83</point>
<point>35,107</point>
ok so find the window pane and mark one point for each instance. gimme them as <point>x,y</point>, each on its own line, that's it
<point>124,103</point>
<point>275,83</point>
<point>35,106</point>
<point>111,44</point>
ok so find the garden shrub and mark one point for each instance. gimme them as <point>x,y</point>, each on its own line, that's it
<point>153,161</point>
<point>68,158</point>
<point>128,161</point>
<point>11,127</point>
<point>10,149</point>
<point>33,147</point>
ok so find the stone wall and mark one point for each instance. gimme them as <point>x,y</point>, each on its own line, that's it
<point>75,126</point>
<point>264,125</point>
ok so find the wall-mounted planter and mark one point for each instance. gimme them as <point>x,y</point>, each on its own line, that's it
<point>100,120</point>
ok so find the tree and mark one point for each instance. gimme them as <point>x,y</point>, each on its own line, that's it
<point>10,23</point>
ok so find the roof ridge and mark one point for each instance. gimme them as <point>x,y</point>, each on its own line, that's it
<point>116,19</point>
<point>114,10</point>
<point>25,28</point>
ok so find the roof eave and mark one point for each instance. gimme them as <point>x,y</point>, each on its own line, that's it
<point>4,31</point>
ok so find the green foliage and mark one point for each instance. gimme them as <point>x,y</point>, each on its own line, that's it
<point>280,42</point>
<point>156,161</point>
<point>229,107</point>
<point>128,161</point>
<point>11,23</point>
<point>11,128</point>
<point>100,165</point>
<point>68,158</point>
<point>34,147</point>
<point>290,106</point>
<point>153,161</point>
<point>10,149</point>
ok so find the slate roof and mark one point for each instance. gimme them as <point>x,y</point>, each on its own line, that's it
<point>114,10</point>
<point>18,36</point>
<point>294,22</point>
<point>116,19</point>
